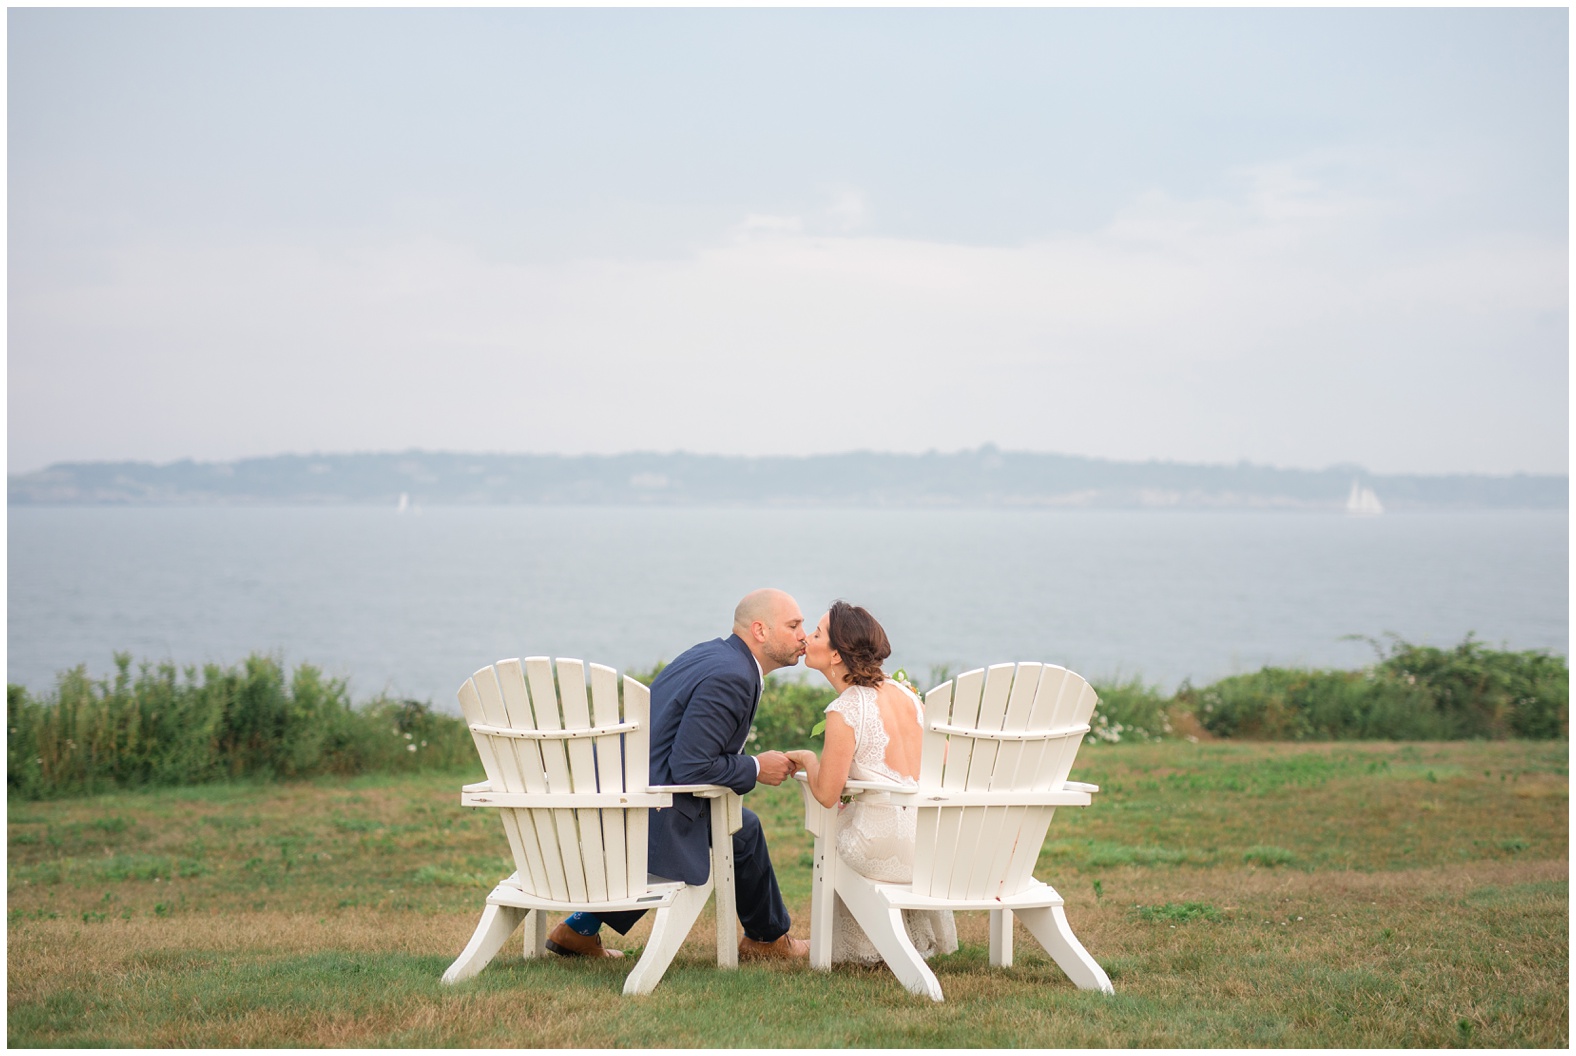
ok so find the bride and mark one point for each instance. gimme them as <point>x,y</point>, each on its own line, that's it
<point>873,733</point>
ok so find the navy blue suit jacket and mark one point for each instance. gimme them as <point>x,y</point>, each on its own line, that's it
<point>702,705</point>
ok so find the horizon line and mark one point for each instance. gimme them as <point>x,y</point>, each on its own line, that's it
<point>986,448</point>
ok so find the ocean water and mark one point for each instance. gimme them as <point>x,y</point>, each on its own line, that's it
<point>412,603</point>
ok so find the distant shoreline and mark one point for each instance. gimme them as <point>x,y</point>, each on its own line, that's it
<point>985,478</point>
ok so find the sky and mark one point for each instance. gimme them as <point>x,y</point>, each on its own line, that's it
<point>1292,237</point>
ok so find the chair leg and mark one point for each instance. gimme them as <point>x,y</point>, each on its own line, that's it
<point>497,924</point>
<point>668,930</point>
<point>823,885</point>
<point>1049,925</point>
<point>722,883</point>
<point>883,923</point>
<point>535,934</point>
<point>1001,938</point>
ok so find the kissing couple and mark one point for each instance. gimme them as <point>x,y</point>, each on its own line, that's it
<point>702,707</point>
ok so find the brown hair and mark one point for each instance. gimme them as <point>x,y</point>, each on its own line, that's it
<point>859,640</point>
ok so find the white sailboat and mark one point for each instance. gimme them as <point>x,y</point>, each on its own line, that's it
<point>1362,502</point>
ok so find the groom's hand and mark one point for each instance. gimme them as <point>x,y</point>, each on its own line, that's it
<point>775,767</point>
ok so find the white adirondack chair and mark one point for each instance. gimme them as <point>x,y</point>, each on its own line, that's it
<point>569,777</point>
<point>997,750</point>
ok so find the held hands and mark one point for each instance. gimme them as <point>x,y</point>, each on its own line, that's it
<point>801,759</point>
<point>775,767</point>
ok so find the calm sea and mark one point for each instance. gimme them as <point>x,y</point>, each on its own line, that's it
<point>412,603</point>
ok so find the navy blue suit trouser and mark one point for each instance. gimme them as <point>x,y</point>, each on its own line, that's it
<point>761,908</point>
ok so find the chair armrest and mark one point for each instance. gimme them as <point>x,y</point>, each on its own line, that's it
<point>816,817</point>
<point>855,787</point>
<point>480,786</point>
<point>1080,786</point>
<point>698,791</point>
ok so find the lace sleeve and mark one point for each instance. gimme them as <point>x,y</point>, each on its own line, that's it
<point>851,707</point>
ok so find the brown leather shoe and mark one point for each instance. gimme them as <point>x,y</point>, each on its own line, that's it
<point>567,942</point>
<point>782,949</point>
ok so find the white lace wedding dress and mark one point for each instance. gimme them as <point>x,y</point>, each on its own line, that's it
<point>875,836</point>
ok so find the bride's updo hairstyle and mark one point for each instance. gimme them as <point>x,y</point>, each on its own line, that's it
<point>859,640</point>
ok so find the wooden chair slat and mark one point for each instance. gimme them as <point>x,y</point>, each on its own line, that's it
<point>637,777</point>
<point>577,715</point>
<point>481,701</point>
<point>1020,866</point>
<point>1042,716</point>
<point>546,708</point>
<point>524,848</point>
<point>610,777</point>
<point>966,691</point>
<point>938,708</point>
<point>582,774</point>
<point>1082,711</point>
<point>1056,762</point>
<point>996,856</point>
<point>471,708</point>
<point>527,755</point>
<point>949,823</point>
<point>491,697</point>
<point>993,710</point>
<point>975,830</point>
<point>979,852</point>
<point>926,837</point>
<point>1009,756</point>
<point>513,708</point>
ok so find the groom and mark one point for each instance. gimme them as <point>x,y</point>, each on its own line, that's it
<point>702,705</point>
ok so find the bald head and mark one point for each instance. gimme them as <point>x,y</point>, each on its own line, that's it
<point>770,623</point>
<point>760,605</point>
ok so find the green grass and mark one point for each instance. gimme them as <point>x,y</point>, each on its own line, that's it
<point>1239,895</point>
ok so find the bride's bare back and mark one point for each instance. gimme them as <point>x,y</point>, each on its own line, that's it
<point>905,737</point>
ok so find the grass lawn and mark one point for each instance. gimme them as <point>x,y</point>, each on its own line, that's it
<point>1284,895</point>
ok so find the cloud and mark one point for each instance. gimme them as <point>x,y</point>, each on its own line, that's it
<point>1287,322</point>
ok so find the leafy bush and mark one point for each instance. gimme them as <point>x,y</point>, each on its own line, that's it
<point>1129,711</point>
<point>1488,692</point>
<point>164,727</point>
<point>1413,693</point>
<point>788,712</point>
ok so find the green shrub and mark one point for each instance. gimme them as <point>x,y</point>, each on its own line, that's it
<point>1129,711</point>
<point>1412,693</point>
<point>162,727</point>
<point>1484,692</point>
<point>788,712</point>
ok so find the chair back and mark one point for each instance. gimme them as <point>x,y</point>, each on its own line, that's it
<point>552,738</point>
<point>1009,728</point>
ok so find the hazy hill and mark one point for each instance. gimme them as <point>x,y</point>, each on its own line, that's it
<point>984,477</point>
